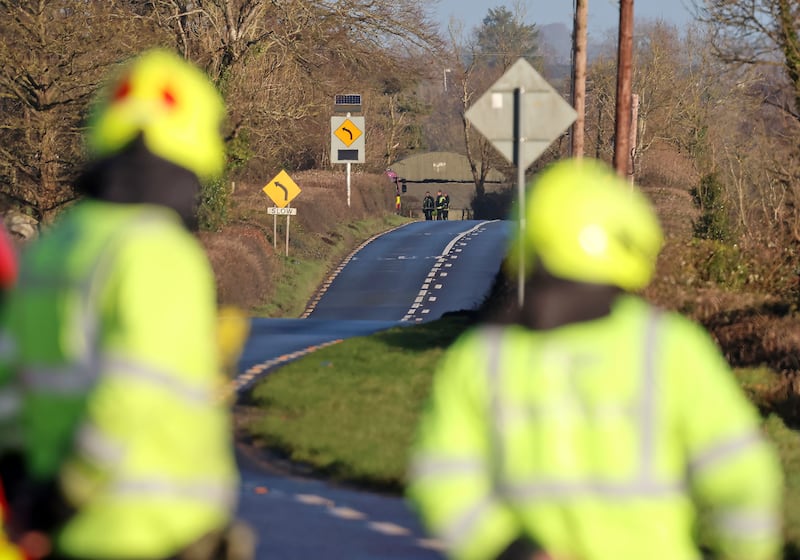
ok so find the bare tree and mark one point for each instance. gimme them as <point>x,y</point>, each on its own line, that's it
<point>761,33</point>
<point>468,83</point>
<point>280,62</point>
<point>477,61</point>
<point>53,55</point>
<point>764,37</point>
<point>277,62</point>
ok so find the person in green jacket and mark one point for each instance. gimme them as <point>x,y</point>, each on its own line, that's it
<point>591,425</point>
<point>114,441</point>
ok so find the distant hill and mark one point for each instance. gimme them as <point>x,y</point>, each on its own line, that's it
<point>555,46</point>
<point>555,43</point>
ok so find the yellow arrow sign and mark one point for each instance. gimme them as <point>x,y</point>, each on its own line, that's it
<point>281,189</point>
<point>347,132</point>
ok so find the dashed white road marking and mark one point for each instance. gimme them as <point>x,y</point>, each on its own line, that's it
<point>346,513</point>
<point>388,528</point>
<point>431,544</point>
<point>441,261</point>
<point>313,500</point>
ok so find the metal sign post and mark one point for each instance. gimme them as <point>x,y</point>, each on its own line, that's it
<point>521,115</point>
<point>519,141</point>
<point>286,211</point>
<point>288,217</point>
<point>347,136</point>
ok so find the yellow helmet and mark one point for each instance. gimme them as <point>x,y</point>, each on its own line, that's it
<point>169,101</point>
<point>585,223</point>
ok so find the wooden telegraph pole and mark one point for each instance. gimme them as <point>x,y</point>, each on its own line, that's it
<point>579,75</point>
<point>622,148</point>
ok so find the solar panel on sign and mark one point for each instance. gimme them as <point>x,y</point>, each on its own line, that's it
<point>347,99</point>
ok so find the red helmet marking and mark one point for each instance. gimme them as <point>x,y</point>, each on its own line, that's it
<point>168,97</point>
<point>123,90</point>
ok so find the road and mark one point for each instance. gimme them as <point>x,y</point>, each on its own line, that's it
<point>415,273</point>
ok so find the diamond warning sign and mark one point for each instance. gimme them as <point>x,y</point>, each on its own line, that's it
<point>347,132</point>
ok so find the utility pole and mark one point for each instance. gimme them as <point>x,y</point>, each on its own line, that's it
<point>622,148</point>
<point>579,42</point>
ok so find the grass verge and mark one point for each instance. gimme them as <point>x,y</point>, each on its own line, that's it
<point>349,410</point>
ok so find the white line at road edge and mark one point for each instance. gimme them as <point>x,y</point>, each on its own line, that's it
<point>440,260</point>
<point>327,283</point>
<point>244,380</point>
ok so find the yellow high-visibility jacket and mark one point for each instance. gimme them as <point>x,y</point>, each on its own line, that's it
<point>111,381</point>
<point>599,440</point>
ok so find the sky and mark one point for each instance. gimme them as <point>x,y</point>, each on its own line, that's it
<point>603,14</point>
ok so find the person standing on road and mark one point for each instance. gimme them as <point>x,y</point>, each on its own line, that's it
<point>439,205</point>
<point>428,206</point>
<point>591,425</point>
<point>446,206</point>
<point>114,441</point>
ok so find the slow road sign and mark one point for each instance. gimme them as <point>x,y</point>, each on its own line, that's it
<point>282,211</point>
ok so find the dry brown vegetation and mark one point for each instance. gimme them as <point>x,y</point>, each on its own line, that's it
<point>277,64</point>
<point>755,322</point>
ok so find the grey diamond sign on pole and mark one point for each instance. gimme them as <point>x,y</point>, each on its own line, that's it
<point>546,114</point>
<point>521,115</point>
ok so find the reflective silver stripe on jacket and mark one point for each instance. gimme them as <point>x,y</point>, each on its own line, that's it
<point>546,489</point>
<point>445,466</point>
<point>722,451</point>
<point>462,527</point>
<point>69,381</point>
<point>118,366</point>
<point>494,341</point>
<point>749,524</point>
<point>210,491</point>
<point>648,400</point>
<point>98,448</point>
<point>77,380</point>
